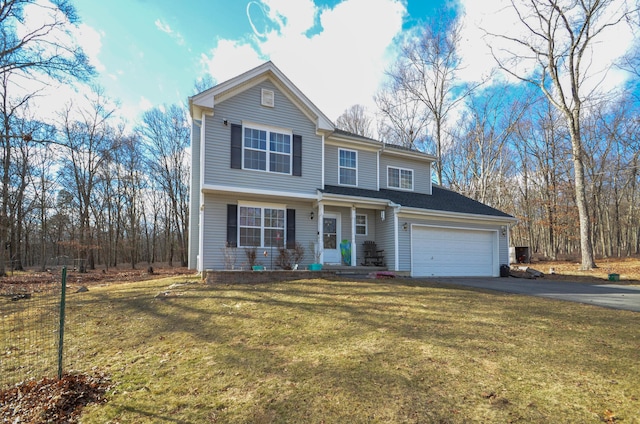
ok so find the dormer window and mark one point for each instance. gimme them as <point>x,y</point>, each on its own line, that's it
<point>400,178</point>
<point>348,167</point>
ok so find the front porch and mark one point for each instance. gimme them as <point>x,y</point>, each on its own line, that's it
<point>353,270</point>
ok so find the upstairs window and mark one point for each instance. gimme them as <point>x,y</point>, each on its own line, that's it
<point>267,150</point>
<point>348,167</point>
<point>400,178</point>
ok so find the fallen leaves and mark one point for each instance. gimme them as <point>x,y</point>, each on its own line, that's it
<point>52,400</point>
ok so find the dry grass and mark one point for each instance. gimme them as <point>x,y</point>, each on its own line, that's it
<point>627,268</point>
<point>351,351</point>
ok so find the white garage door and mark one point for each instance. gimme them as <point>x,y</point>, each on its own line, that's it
<point>447,252</point>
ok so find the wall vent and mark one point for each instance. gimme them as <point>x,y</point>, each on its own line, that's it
<point>268,98</point>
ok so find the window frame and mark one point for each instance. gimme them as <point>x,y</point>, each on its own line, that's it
<point>268,151</point>
<point>341,167</point>
<point>400,170</point>
<point>365,225</point>
<point>262,227</point>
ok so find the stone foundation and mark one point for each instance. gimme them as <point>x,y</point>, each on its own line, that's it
<point>260,277</point>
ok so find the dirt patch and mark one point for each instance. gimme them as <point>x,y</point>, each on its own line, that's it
<point>34,281</point>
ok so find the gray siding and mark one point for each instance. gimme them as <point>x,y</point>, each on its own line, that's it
<point>385,237</point>
<point>215,236</point>
<point>371,233</point>
<point>194,196</point>
<point>244,107</point>
<point>421,172</point>
<point>330,165</point>
<point>367,163</point>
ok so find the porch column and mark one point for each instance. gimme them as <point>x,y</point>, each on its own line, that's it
<point>396,265</point>
<point>319,238</point>
<point>353,236</point>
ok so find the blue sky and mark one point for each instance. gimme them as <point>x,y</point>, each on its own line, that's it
<point>151,52</point>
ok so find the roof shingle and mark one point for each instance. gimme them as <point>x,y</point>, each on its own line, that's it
<point>441,199</point>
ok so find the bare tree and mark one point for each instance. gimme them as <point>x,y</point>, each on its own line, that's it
<point>403,121</point>
<point>89,142</point>
<point>39,48</point>
<point>166,134</point>
<point>355,120</point>
<point>560,36</point>
<point>426,69</point>
<point>482,163</point>
<point>28,51</point>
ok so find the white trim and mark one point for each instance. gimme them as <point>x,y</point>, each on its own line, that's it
<point>319,238</point>
<point>253,204</point>
<point>322,161</point>
<point>263,228</point>
<point>400,169</point>
<point>269,129</point>
<point>257,191</point>
<point>201,205</point>
<point>200,264</point>
<point>364,145</point>
<point>396,241</point>
<point>378,169</point>
<point>345,167</point>
<point>409,154</point>
<point>422,213</point>
<point>353,236</point>
<point>266,71</point>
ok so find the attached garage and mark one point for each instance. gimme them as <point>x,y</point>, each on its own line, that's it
<point>453,252</point>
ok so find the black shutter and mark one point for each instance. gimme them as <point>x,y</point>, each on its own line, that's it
<point>232,225</point>
<point>297,155</point>
<point>291,228</point>
<point>236,146</point>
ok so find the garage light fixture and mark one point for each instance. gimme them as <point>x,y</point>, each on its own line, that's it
<point>503,230</point>
<point>405,226</point>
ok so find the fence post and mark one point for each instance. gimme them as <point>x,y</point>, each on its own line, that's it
<point>62,307</point>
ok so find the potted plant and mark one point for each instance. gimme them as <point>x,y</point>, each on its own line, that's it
<point>317,253</point>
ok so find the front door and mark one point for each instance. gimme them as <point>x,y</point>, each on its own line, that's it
<point>330,236</point>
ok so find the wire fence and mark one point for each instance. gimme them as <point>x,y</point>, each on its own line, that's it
<point>31,330</point>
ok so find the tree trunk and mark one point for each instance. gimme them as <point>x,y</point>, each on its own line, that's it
<point>586,246</point>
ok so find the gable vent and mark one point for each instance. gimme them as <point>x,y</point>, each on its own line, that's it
<point>268,98</point>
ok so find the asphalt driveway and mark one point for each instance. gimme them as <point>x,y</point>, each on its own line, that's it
<point>605,295</point>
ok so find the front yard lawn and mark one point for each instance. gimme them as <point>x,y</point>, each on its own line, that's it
<point>366,351</point>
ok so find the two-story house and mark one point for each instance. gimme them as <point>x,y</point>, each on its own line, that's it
<point>269,169</point>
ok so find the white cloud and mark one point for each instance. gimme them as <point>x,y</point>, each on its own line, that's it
<point>499,17</point>
<point>91,42</point>
<point>144,104</point>
<point>166,28</point>
<point>339,65</point>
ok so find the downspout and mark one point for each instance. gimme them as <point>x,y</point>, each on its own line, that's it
<point>201,200</point>
<point>378,168</point>
<point>322,163</point>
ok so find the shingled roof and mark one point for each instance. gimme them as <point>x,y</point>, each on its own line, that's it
<point>441,199</point>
